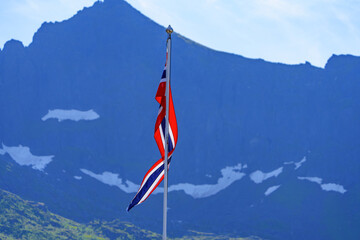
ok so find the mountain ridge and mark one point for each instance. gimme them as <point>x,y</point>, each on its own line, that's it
<point>44,29</point>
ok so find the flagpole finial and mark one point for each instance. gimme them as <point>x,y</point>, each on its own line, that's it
<point>169,30</point>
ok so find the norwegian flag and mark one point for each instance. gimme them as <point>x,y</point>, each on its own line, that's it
<point>155,175</point>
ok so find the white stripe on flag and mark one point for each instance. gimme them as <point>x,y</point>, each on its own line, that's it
<point>171,136</point>
<point>162,136</point>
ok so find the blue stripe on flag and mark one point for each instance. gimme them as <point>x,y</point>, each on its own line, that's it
<point>170,146</point>
<point>163,124</point>
<point>150,181</point>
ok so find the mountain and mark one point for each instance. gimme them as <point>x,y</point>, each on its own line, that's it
<point>264,149</point>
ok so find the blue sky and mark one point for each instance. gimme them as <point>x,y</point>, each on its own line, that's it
<point>288,31</point>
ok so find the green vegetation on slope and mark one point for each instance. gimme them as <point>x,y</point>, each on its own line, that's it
<point>21,219</point>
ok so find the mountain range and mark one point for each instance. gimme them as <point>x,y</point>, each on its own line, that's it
<point>265,149</point>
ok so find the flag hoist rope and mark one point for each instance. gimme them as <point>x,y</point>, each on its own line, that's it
<point>169,31</point>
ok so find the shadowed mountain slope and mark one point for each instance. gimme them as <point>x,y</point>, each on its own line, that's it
<point>231,110</point>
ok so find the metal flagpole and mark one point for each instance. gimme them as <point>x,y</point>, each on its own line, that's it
<point>169,31</point>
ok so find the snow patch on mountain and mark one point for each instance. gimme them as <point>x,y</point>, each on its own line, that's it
<point>333,187</point>
<point>113,179</point>
<point>72,114</point>
<point>311,179</point>
<point>297,164</point>
<point>259,176</point>
<point>326,186</point>
<point>22,156</point>
<point>271,190</point>
<point>229,176</point>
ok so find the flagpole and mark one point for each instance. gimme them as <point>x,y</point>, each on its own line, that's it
<point>169,31</point>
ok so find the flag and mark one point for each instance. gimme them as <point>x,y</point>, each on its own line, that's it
<point>155,174</point>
